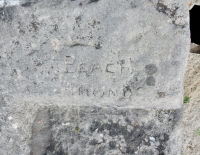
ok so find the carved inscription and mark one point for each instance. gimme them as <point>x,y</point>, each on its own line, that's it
<point>110,75</point>
<point>91,92</point>
<point>88,69</point>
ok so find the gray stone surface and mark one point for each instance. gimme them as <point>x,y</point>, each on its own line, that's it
<point>95,130</point>
<point>93,76</point>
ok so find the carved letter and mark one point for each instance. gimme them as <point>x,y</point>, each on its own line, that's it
<point>126,90</point>
<point>111,92</point>
<point>113,67</point>
<point>69,60</point>
<point>83,91</point>
<point>70,70</point>
<point>82,68</point>
<point>96,67</point>
<point>108,68</point>
<point>121,62</point>
<point>98,93</point>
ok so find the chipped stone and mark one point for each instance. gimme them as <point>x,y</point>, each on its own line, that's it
<point>92,77</point>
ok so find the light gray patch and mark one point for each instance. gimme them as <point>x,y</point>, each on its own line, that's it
<point>151,69</point>
<point>150,81</point>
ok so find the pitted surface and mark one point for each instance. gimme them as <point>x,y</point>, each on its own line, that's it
<point>106,55</point>
<point>87,68</point>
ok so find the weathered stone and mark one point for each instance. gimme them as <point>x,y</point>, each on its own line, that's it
<point>41,134</point>
<point>94,76</point>
<point>195,48</point>
<point>118,131</point>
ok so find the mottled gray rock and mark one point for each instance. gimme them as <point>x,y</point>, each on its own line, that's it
<point>94,76</point>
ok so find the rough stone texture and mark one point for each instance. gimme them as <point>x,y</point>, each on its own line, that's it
<point>195,48</point>
<point>191,124</point>
<point>94,76</point>
<point>111,131</point>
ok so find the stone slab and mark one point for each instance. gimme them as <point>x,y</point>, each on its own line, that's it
<point>96,130</point>
<point>50,127</point>
<point>111,61</point>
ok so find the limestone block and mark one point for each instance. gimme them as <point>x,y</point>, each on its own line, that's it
<point>93,76</point>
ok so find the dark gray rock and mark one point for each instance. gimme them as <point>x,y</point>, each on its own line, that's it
<point>93,130</point>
